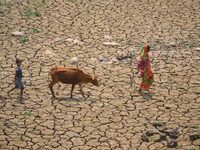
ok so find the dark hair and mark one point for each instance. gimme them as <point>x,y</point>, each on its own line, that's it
<point>148,48</point>
<point>18,60</point>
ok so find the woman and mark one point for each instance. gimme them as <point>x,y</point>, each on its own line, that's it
<point>144,67</point>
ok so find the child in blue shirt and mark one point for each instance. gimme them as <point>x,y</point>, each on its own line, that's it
<point>18,79</point>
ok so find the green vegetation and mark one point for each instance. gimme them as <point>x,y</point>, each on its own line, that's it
<point>34,30</point>
<point>41,4</point>
<point>198,128</point>
<point>27,113</point>
<point>23,39</point>
<point>30,13</point>
<point>131,56</point>
<point>34,10</point>
<point>4,2</point>
<point>191,149</point>
<point>4,6</point>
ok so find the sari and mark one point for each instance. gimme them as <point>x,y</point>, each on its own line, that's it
<point>144,67</point>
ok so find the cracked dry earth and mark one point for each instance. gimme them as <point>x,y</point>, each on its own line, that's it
<point>100,34</point>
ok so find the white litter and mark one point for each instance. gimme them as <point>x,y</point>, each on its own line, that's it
<point>197,48</point>
<point>48,52</point>
<point>69,40</point>
<point>75,41</point>
<point>17,33</point>
<point>74,60</point>
<point>111,43</point>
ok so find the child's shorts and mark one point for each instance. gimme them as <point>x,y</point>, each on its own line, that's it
<point>19,84</point>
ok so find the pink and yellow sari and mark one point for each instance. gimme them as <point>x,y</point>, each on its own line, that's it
<point>144,67</point>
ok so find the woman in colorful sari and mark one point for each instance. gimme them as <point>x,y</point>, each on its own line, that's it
<point>144,68</point>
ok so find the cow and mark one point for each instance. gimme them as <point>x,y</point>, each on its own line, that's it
<point>72,76</point>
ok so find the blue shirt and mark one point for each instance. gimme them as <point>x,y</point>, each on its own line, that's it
<point>19,72</point>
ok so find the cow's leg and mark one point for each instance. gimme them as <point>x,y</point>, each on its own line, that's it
<point>81,90</point>
<point>73,85</point>
<point>51,89</point>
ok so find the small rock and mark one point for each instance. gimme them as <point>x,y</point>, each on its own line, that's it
<point>77,42</point>
<point>74,60</point>
<point>196,142</point>
<point>151,132</point>
<point>157,124</point>
<point>17,33</point>
<point>194,136</point>
<point>173,136</point>
<point>162,138</point>
<point>172,133</point>
<point>124,57</point>
<point>154,138</point>
<point>171,143</point>
<point>144,138</point>
<point>102,58</point>
<point>162,128</point>
<point>114,60</point>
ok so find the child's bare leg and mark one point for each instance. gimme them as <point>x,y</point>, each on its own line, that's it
<point>21,93</point>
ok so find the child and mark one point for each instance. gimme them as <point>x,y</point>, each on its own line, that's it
<point>18,79</point>
<point>144,67</point>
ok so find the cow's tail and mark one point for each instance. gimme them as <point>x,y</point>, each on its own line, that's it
<point>50,74</point>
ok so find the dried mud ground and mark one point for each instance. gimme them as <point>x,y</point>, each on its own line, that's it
<point>101,34</point>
